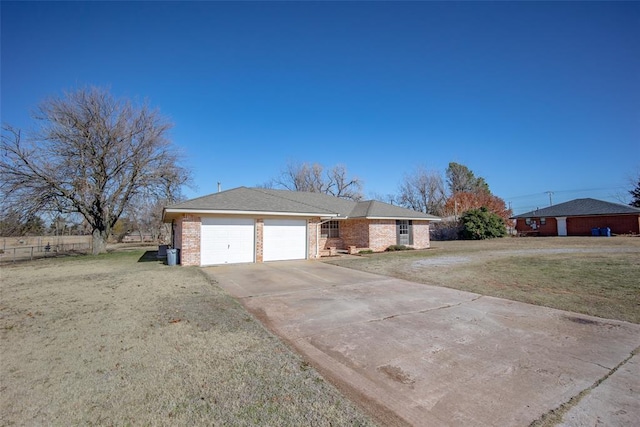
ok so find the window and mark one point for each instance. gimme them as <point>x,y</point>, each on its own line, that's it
<point>543,221</point>
<point>527,221</point>
<point>330,229</point>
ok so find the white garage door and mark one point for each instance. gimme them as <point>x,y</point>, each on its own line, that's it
<point>284,239</point>
<point>226,241</point>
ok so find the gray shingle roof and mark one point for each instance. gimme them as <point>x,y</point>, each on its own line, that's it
<point>248,199</point>
<point>582,207</point>
<point>295,202</point>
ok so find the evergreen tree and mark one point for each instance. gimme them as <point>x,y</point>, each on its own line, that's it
<point>479,224</point>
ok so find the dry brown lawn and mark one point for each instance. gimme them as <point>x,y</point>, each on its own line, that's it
<point>110,340</point>
<point>598,276</point>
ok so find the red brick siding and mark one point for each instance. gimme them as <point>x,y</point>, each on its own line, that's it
<point>189,239</point>
<point>550,228</point>
<point>619,224</point>
<point>259,239</point>
<point>421,235</point>
<point>382,234</point>
<point>582,225</point>
<point>312,238</point>
<point>362,233</point>
<point>354,232</point>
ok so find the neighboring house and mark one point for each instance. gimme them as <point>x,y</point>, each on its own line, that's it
<point>580,217</point>
<point>257,224</point>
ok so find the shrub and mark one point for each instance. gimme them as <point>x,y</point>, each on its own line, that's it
<point>479,224</point>
<point>393,248</point>
<point>366,251</point>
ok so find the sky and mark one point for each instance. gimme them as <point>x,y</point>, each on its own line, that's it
<point>535,97</point>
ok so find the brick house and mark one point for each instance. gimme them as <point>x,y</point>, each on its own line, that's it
<point>580,217</point>
<point>258,224</point>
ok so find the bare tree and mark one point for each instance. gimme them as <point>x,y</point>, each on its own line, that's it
<point>314,179</point>
<point>423,191</point>
<point>635,195</point>
<point>145,213</point>
<point>92,154</point>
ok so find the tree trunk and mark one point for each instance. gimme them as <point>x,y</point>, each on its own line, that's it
<point>99,241</point>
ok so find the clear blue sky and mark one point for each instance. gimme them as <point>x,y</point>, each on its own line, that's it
<point>532,96</point>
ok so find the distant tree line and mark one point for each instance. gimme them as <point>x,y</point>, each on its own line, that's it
<point>109,165</point>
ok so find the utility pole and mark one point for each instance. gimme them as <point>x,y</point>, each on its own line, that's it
<point>550,193</point>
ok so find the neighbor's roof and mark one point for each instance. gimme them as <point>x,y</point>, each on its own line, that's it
<point>582,207</point>
<point>246,201</point>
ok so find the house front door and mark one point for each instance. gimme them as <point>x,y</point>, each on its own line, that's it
<point>562,225</point>
<point>403,232</point>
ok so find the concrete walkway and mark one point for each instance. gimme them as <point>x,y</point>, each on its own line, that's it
<point>429,356</point>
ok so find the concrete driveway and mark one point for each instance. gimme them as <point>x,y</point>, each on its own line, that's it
<point>423,355</point>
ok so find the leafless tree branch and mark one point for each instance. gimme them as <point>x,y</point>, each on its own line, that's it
<point>91,154</point>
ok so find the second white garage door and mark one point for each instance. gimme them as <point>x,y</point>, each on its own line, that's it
<point>226,240</point>
<point>284,239</point>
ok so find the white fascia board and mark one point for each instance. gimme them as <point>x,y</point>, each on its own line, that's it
<point>252,213</point>
<point>404,218</point>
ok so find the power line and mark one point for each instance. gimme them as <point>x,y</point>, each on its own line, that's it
<point>567,191</point>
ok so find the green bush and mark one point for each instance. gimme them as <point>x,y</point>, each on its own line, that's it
<point>393,248</point>
<point>479,224</point>
<point>366,251</point>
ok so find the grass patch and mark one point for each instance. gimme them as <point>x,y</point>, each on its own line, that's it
<point>108,340</point>
<point>593,276</point>
<point>600,285</point>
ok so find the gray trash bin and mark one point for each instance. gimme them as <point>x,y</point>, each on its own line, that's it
<point>172,256</point>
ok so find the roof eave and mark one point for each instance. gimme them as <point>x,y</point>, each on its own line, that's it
<point>538,215</point>
<point>403,217</point>
<point>172,212</point>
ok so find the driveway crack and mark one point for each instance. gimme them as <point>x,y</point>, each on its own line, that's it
<point>442,307</point>
<point>554,416</point>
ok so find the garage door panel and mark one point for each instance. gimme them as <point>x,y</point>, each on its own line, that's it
<point>227,241</point>
<point>284,239</point>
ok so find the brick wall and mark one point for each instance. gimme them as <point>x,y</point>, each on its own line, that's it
<point>421,235</point>
<point>374,234</point>
<point>355,232</point>
<point>190,239</point>
<point>382,234</point>
<point>619,224</point>
<point>377,235</point>
<point>312,238</point>
<point>549,228</point>
<point>259,240</point>
<point>581,226</point>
